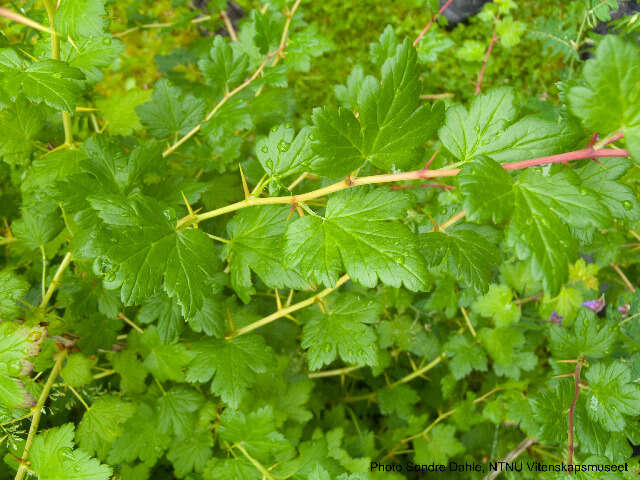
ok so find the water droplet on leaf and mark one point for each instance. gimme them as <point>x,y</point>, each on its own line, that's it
<point>265,149</point>
<point>283,146</point>
<point>628,205</point>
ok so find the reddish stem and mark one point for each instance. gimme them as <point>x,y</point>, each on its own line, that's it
<point>435,17</point>
<point>594,137</point>
<point>588,152</point>
<point>424,185</point>
<point>494,37</point>
<point>576,383</point>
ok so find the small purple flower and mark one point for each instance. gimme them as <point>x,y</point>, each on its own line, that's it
<point>624,309</point>
<point>555,318</point>
<point>595,305</point>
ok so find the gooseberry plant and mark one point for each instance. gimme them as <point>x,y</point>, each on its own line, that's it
<point>198,282</point>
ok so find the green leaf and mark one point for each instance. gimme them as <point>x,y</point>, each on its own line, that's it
<point>170,112</point>
<point>537,232</point>
<point>50,81</point>
<point>550,411</point>
<point>399,400</point>
<point>283,153</point>
<point>409,336</point>
<point>211,318</point>
<point>77,370</point>
<point>176,411</point>
<point>611,395</point>
<point>232,364</point>
<point>20,123</point>
<point>348,94</point>
<point>165,362</point>
<point>257,237</point>
<point>439,448</point>
<point>463,251</point>
<point>119,111</point>
<point>236,468</point>
<point>617,198</point>
<point>609,99</point>
<point>102,423</point>
<point>53,457</point>
<point>80,18</point>
<point>589,337</point>
<point>224,65</point>
<point>466,133</point>
<point>305,45</point>
<point>532,137</point>
<point>385,47</point>
<point>394,126</point>
<point>256,431</point>
<point>504,345</point>
<point>337,141</point>
<point>17,345</point>
<point>12,289</point>
<point>145,252</point>
<point>466,355</point>
<point>191,453</point>
<point>342,331</point>
<point>356,232</point>
<point>141,438</point>
<point>497,304</point>
<point>487,189</point>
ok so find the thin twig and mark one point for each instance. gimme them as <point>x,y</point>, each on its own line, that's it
<point>227,23</point>
<point>624,278</point>
<point>285,30</point>
<point>37,413</point>
<point>16,17</point>
<point>219,105</point>
<point>576,383</point>
<point>334,373</point>
<point>494,37</point>
<point>433,19</point>
<point>56,280</point>
<point>126,320</point>
<point>512,455</point>
<point>288,310</point>
<point>437,96</point>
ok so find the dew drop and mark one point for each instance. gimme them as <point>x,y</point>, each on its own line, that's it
<point>288,125</point>
<point>327,347</point>
<point>169,213</point>
<point>269,164</point>
<point>311,137</point>
<point>283,146</point>
<point>628,205</point>
<point>275,129</point>
<point>106,41</point>
<point>265,149</point>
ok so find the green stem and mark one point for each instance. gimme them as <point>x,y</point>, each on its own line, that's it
<point>55,55</point>
<point>37,413</point>
<point>56,280</point>
<point>286,311</point>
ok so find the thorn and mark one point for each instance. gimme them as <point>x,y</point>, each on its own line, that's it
<point>566,375</point>
<point>348,181</point>
<point>245,187</point>
<point>291,210</point>
<point>592,142</point>
<point>299,210</point>
<point>278,302</point>
<point>230,320</point>
<point>436,227</point>
<point>435,154</point>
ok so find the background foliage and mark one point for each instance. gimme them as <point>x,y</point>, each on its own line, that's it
<point>169,310</point>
